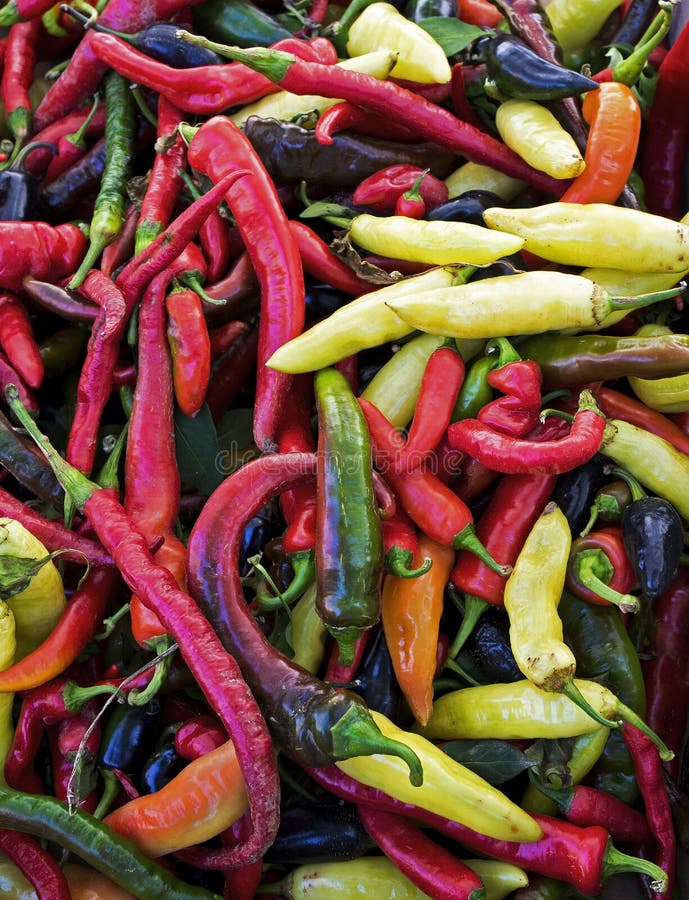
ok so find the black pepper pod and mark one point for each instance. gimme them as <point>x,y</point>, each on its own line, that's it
<point>315,833</point>
<point>488,648</point>
<point>130,736</point>
<point>518,71</point>
<point>20,191</point>
<point>375,679</point>
<point>467,207</point>
<point>575,490</point>
<point>159,769</point>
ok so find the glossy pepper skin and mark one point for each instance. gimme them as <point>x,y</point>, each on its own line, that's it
<point>349,547</point>
<point>317,833</point>
<point>654,538</point>
<point>519,72</point>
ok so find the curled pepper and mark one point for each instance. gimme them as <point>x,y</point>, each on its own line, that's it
<point>599,570</point>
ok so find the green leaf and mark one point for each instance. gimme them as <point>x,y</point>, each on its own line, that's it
<point>495,761</point>
<point>198,451</point>
<point>453,35</point>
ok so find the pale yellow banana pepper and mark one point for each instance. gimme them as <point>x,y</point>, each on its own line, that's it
<point>575,23</point>
<point>8,646</point>
<point>534,133</point>
<point>471,176</point>
<point>667,395</point>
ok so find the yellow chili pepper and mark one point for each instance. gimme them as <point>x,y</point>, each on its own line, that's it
<point>653,461</point>
<point>667,395</point>
<point>8,646</point>
<point>499,878</point>
<point>439,243</point>
<point>597,234</point>
<point>575,23</point>
<point>381,27</point>
<point>364,322</point>
<point>448,788</point>
<point>308,632</point>
<point>534,133</point>
<point>473,176</point>
<point>285,105</point>
<point>528,303</point>
<point>39,605</point>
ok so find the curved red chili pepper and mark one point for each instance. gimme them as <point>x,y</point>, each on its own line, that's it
<point>18,342</point>
<point>39,867</point>
<point>516,413</point>
<point>594,549</point>
<point>319,260</point>
<point>190,346</point>
<point>216,147</point>
<point>347,116</point>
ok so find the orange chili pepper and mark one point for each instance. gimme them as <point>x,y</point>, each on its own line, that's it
<point>202,801</point>
<point>410,612</point>
<point>87,884</point>
<point>479,12</point>
<point>614,117</point>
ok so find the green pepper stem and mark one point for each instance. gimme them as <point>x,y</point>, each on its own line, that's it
<point>74,482</point>
<point>346,638</point>
<point>304,568</point>
<point>111,788</point>
<point>75,696</point>
<point>591,567</point>
<point>397,561</point>
<point>163,647</point>
<point>628,715</point>
<point>271,63</point>
<point>356,734</point>
<point>569,689</point>
<point>614,862</point>
<point>629,69</point>
<point>635,488</point>
<point>467,539</point>
<point>562,797</point>
<point>503,349</point>
<point>474,607</point>
<point>644,299</point>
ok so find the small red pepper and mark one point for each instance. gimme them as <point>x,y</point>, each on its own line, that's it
<point>320,261</point>
<point>517,413</point>
<point>199,736</point>
<point>70,738</point>
<point>190,346</point>
<point>36,249</point>
<point>513,456</point>
<point>382,190</point>
<point>71,147</point>
<point>18,341</point>
<point>599,570</point>
<point>400,545</point>
<point>347,116</point>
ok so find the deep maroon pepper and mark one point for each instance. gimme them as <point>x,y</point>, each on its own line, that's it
<point>199,736</point>
<point>230,371</point>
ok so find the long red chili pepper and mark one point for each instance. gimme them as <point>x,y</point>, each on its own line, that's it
<point>432,868</point>
<point>665,671</point>
<point>649,776</point>
<point>666,132</point>
<point>619,406</point>
<point>347,116</point>
<point>17,77</point>
<point>319,260</point>
<point>435,509</point>
<point>215,670</point>
<point>215,148</point>
<point>39,867</point>
<point>429,121</point>
<point>512,456</point>
<point>84,71</point>
<point>582,857</point>
<point>230,371</point>
<point>190,345</point>
<point>18,341</point>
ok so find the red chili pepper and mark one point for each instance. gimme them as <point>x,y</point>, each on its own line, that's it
<point>165,181</point>
<point>38,159</point>
<point>347,116</point>
<point>18,341</point>
<point>649,777</point>
<point>512,456</point>
<point>295,435</point>
<point>400,545</point>
<point>411,204</point>
<point>666,132</point>
<point>460,101</point>
<point>599,570</point>
<point>69,738</point>
<point>199,736</point>
<point>479,12</point>
<point>17,77</point>
<point>190,346</point>
<point>36,249</point>
<point>666,668</point>
<point>382,190</point>
<point>217,146</point>
<point>122,248</point>
<point>517,413</point>
<point>85,70</point>
<point>614,117</point>
<point>222,337</point>
<point>432,868</point>
<point>238,285</point>
<point>429,121</point>
<point>620,406</point>
<point>9,375</point>
<point>436,510</point>
<point>318,260</point>
<point>582,857</point>
<point>71,147</point>
<point>38,866</point>
<point>230,371</point>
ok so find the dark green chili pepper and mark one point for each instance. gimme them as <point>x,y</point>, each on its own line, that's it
<point>292,154</point>
<point>518,71</point>
<point>96,844</point>
<point>349,543</point>
<point>237,22</point>
<point>568,360</point>
<point>108,210</point>
<point>19,457</point>
<point>316,833</point>
<point>488,647</point>
<point>62,349</point>
<point>475,391</point>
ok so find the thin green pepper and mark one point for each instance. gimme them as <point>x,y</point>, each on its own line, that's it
<point>349,544</point>
<point>108,210</point>
<point>237,22</point>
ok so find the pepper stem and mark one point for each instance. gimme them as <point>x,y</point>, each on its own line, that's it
<point>628,715</point>
<point>644,299</point>
<point>397,561</point>
<point>76,696</point>
<point>467,539</point>
<point>163,646</point>
<point>74,482</point>
<point>629,69</point>
<point>569,689</point>
<point>271,63</point>
<point>591,567</point>
<point>635,488</point>
<point>303,566</point>
<point>474,607</point>
<point>614,862</point>
<point>504,349</point>
<point>356,734</point>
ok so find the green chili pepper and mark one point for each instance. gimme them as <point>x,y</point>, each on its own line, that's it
<point>237,22</point>
<point>108,210</point>
<point>349,545</point>
<point>475,391</point>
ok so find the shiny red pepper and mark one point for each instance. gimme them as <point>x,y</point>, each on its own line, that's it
<point>382,190</point>
<point>599,570</point>
<point>41,251</point>
<point>517,412</point>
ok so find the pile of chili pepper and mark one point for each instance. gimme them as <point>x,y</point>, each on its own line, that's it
<point>344,449</point>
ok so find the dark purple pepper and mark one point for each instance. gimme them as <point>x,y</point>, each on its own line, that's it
<point>654,540</point>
